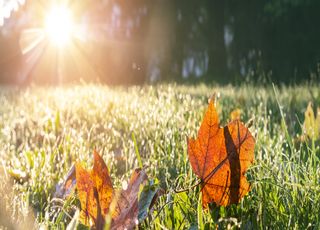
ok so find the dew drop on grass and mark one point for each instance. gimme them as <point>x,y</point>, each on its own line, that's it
<point>124,185</point>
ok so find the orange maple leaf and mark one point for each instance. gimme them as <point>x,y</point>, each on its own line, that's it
<point>95,192</point>
<point>220,157</point>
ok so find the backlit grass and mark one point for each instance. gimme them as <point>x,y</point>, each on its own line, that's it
<point>44,130</point>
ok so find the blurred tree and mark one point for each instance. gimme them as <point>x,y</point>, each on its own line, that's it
<point>139,41</point>
<point>246,22</point>
<point>292,50</point>
<point>278,36</point>
<point>217,67</point>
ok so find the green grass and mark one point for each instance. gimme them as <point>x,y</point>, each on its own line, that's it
<point>44,130</point>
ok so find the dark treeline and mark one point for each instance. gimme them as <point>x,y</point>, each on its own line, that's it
<point>140,41</point>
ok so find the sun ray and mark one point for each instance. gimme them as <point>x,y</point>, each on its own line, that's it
<point>58,47</point>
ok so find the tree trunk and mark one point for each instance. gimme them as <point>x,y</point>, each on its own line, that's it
<point>217,68</point>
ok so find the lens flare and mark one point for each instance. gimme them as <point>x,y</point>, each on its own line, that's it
<point>59,25</point>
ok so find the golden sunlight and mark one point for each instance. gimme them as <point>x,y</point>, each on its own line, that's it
<point>59,25</point>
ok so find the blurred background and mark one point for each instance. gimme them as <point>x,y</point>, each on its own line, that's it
<point>148,41</point>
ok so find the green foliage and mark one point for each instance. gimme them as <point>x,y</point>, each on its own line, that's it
<point>44,130</point>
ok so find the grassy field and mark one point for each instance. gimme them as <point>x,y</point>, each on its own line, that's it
<point>45,130</point>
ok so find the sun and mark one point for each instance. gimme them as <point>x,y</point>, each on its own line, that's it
<point>59,25</point>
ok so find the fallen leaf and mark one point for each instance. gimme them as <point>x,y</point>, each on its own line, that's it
<point>94,191</point>
<point>220,158</point>
<point>318,121</point>
<point>66,187</point>
<point>235,114</point>
<point>103,184</point>
<point>147,198</point>
<point>126,213</point>
<point>311,124</point>
<point>96,194</point>
<point>88,200</point>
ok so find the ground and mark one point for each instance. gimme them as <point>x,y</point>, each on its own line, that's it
<point>45,130</point>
